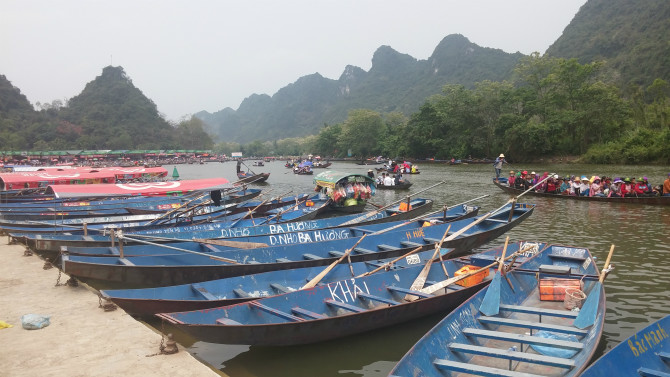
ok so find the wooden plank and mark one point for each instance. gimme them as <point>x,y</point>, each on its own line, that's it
<point>281,260</point>
<point>336,253</point>
<point>539,311</point>
<point>497,221</point>
<point>363,251</point>
<point>114,251</point>
<point>275,312</point>
<point>522,338</point>
<point>280,288</point>
<point>569,257</point>
<point>513,355</point>
<point>478,370</point>
<point>376,298</point>
<point>532,325</point>
<point>387,247</point>
<point>311,256</point>
<point>343,305</point>
<point>227,321</point>
<point>203,292</point>
<point>240,293</point>
<point>409,291</point>
<point>411,244</point>
<point>554,269</point>
<point>307,313</point>
<point>126,262</point>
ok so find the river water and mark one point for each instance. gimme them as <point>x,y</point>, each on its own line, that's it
<point>638,290</point>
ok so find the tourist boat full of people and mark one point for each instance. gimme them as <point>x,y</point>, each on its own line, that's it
<point>586,188</point>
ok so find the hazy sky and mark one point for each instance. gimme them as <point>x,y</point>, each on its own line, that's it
<point>197,55</point>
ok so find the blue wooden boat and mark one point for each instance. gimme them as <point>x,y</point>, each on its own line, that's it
<point>153,271</point>
<point>527,336</point>
<point>337,309</point>
<point>654,200</point>
<point>645,353</point>
<point>223,292</point>
<point>203,214</point>
<point>215,230</point>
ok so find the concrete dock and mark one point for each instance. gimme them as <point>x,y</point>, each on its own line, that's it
<point>82,339</point>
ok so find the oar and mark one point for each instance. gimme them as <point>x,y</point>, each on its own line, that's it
<point>372,213</point>
<point>168,213</point>
<point>445,283</point>
<point>312,283</point>
<point>486,216</point>
<point>178,249</point>
<point>589,311</point>
<point>421,278</point>
<point>491,302</point>
<point>387,264</point>
<point>235,244</point>
<point>424,216</point>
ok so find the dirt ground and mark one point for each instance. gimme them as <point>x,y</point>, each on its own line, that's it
<point>82,339</point>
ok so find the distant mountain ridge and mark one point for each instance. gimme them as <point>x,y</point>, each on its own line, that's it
<point>395,82</point>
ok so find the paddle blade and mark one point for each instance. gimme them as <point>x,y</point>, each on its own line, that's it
<point>491,303</point>
<point>587,315</point>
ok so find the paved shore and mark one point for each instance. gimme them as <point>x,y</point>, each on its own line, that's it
<point>82,339</point>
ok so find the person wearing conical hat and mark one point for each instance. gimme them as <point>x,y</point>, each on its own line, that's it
<point>497,165</point>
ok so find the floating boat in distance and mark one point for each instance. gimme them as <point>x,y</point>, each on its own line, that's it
<point>653,200</point>
<point>252,178</point>
<point>523,334</point>
<point>340,308</point>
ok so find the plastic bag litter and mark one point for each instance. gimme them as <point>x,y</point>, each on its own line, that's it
<point>34,321</point>
<point>4,325</point>
<point>554,351</point>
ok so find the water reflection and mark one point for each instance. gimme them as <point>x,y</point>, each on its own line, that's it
<point>637,290</point>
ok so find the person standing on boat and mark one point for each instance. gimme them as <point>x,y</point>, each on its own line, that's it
<point>371,174</point>
<point>666,186</point>
<point>239,165</point>
<point>498,164</point>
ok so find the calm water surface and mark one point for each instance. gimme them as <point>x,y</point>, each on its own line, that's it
<point>638,290</point>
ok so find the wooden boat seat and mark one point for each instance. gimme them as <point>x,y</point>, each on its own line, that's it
<point>387,247</point>
<point>430,240</point>
<point>513,355</point>
<point>456,366</point>
<point>532,325</point>
<point>646,372</point>
<point>497,221</point>
<point>88,238</point>
<point>311,256</point>
<point>227,321</point>
<point>376,298</point>
<point>374,263</point>
<point>114,251</point>
<point>522,338</point>
<point>554,269</point>
<point>665,356</point>
<point>336,253</point>
<point>568,257</point>
<point>364,231</point>
<point>279,288</point>
<point>203,292</point>
<point>283,260</point>
<point>411,244</point>
<point>343,305</point>
<point>210,247</point>
<point>363,250</point>
<point>307,313</point>
<point>240,293</point>
<point>253,262</point>
<point>126,262</point>
<point>539,311</point>
<point>276,312</point>
<point>406,291</point>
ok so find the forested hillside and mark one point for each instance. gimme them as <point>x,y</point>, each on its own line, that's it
<point>630,36</point>
<point>110,113</point>
<point>395,82</point>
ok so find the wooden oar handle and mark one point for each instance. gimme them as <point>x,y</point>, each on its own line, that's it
<point>607,263</point>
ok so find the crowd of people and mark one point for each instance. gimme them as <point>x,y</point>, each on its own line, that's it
<point>387,179</point>
<point>587,186</point>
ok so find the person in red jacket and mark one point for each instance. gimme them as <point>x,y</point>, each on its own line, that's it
<point>641,187</point>
<point>627,188</point>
